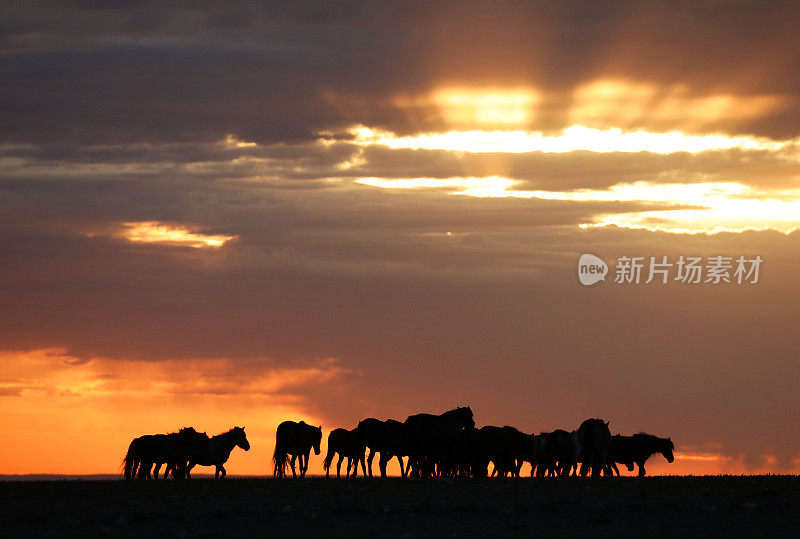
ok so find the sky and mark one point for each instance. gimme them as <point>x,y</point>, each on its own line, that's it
<point>232,214</point>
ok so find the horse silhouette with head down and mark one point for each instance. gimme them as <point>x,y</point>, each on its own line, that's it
<point>297,440</point>
<point>347,443</point>
<point>637,449</point>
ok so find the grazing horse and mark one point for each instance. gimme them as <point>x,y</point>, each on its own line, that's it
<point>156,449</point>
<point>594,440</point>
<point>384,437</point>
<point>216,450</point>
<point>295,439</point>
<point>637,449</point>
<point>347,443</point>
<point>428,435</point>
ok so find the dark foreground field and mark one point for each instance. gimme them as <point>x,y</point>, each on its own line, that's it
<point>660,506</point>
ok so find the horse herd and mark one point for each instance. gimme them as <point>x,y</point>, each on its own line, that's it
<point>444,445</point>
<point>449,445</point>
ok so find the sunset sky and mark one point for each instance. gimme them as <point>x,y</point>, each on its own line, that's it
<point>219,214</point>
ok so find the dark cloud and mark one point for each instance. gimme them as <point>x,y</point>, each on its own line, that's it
<point>267,71</point>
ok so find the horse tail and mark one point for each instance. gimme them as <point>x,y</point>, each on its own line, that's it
<point>279,458</point>
<point>128,462</point>
<point>326,464</point>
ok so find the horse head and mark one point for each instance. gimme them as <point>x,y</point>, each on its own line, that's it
<point>241,438</point>
<point>317,439</point>
<point>466,417</point>
<point>668,449</point>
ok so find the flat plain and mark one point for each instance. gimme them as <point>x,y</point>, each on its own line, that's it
<point>318,507</point>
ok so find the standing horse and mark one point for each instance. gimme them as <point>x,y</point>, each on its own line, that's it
<point>384,437</point>
<point>156,449</point>
<point>217,450</point>
<point>295,439</point>
<point>594,440</point>
<point>428,436</point>
<point>637,449</point>
<point>347,443</point>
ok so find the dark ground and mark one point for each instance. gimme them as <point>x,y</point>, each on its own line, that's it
<point>623,507</point>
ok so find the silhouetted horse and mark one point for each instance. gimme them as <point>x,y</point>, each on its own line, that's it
<point>428,434</point>
<point>558,453</point>
<point>347,443</point>
<point>506,448</point>
<point>295,439</point>
<point>216,450</point>
<point>636,449</point>
<point>618,453</point>
<point>384,437</point>
<point>463,455</point>
<point>180,467</point>
<point>145,451</point>
<point>594,440</point>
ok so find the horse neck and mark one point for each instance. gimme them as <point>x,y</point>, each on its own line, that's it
<point>225,441</point>
<point>453,417</point>
<point>654,445</point>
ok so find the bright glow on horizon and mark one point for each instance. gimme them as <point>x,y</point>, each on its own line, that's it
<point>574,138</point>
<point>155,232</point>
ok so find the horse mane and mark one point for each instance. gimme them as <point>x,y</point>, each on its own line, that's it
<point>651,439</point>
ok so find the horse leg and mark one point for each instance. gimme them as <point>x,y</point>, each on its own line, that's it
<point>402,470</point>
<point>382,462</point>
<point>305,462</point>
<point>222,470</point>
<point>339,466</point>
<point>156,470</point>
<point>371,457</point>
<point>363,465</point>
<point>291,463</point>
<point>189,467</point>
<point>641,468</point>
<point>144,470</point>
<point>301,465</point>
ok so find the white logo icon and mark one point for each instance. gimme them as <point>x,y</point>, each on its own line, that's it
<point>591,270</point>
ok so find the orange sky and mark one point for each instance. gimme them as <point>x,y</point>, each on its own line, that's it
<point>76,417</point>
